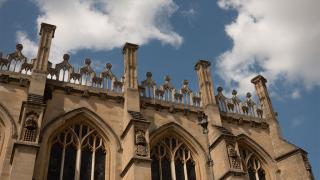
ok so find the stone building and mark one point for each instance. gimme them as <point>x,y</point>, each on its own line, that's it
<point>60,123</point>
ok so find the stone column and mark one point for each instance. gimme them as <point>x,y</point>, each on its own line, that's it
<point>135,137</point>
<point>208,100</point>
<point>225,166</point>
<point>26,148</point>
<point>268,113</point>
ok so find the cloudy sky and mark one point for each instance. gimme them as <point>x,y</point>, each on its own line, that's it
<point>242,38</point>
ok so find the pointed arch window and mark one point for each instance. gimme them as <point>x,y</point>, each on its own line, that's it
<point>252,165</point>
<point>172,160</point>
<point>2,134</point>
<point>77,152</point>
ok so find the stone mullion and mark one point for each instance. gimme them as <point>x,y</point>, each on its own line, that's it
<point>78,162</point>
<point>93,158</point>
<point>63,158</point>
<point>160,168</point>
<point>185,166</point>
<point>173,169</point>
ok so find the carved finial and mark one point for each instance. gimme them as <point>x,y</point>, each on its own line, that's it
<point>167,78</point>
<point>87,61</point>
<point>108,66</point>
<point>149,74</point>
<point>234,92</point>
<point>219,89</point>
<point>185,82</point>
<point>19,47</point>
<point>66,57</point>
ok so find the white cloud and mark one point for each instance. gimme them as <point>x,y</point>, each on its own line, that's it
<point>188,13</point>
<point>278,39</point>
<point>107,24</point>
<point>30,48</point>
<point>295,94</point>
<point>2,2</point>
<point>297,121</point>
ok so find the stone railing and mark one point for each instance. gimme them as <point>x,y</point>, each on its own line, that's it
<point>234,105</point>
<point>17,63</point>
<point>167,93</point>
<point>85,76</point>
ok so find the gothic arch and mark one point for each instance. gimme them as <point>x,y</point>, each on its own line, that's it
<point>8,121</point>
<point>50,130</point>
<point>96,120</point>
<point>245,140</point>
<point>172,130</point>
<point>8,131</point>
<point>179,131</point>
<point>269,165</point>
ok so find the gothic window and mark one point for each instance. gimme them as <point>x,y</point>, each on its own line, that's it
<point>1,137</point>
<point>252,165</point>
<point>172,159</point>
<point>77,152</point>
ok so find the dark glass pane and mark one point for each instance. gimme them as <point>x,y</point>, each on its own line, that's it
<point>261,174</point>
<point>179,170</point>
<point>155,168</point>
<point>191,170</point>
<point>84,130</point>
<point>99,169</point>
<point>69,163</point>
<point>252,175</point>
<point>77,129</point>
<point>166,171</point>
<point>86,158</point>
<point>55,162</point>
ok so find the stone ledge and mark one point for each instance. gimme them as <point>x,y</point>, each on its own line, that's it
<point>130,124</point>
<point>132,161</point>
<point>289,154</point>
<point>239,119</point>
<point>171,107</point>
<point>232,172</point>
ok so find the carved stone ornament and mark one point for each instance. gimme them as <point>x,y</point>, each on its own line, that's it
<point>31,121</point>
<point>233,157</point>
<point>141,143</point>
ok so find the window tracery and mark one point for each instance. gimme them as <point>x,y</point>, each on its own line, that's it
<point>77,152</point>
<point>252,165</point>
<point>172,160</point>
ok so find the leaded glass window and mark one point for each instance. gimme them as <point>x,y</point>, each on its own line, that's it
<point>77,152</point>
<point>172,160</point>
<point>252,165</point>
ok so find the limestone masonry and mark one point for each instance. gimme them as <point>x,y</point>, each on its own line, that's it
<point>58,122</point>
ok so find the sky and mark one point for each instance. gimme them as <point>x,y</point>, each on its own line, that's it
<point>241,38</point>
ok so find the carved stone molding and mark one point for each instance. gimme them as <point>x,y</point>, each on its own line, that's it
<point>233,157</point>
<point>30,126</point>
<point>141,142</point>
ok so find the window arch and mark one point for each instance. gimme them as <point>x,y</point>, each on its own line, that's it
<point>2,136</point>
<point>252,165</point>
<point>172,160</point>
<point>77,152</point>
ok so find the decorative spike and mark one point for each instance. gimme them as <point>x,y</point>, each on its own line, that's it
<point>108,66</point>
<point>87,61</point>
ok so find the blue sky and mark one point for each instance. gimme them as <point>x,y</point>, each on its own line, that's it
<point>241,38</point>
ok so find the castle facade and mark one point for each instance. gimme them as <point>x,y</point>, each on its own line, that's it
<point>57,123</point>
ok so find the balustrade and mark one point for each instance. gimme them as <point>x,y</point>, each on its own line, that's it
<point>236,106</point>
